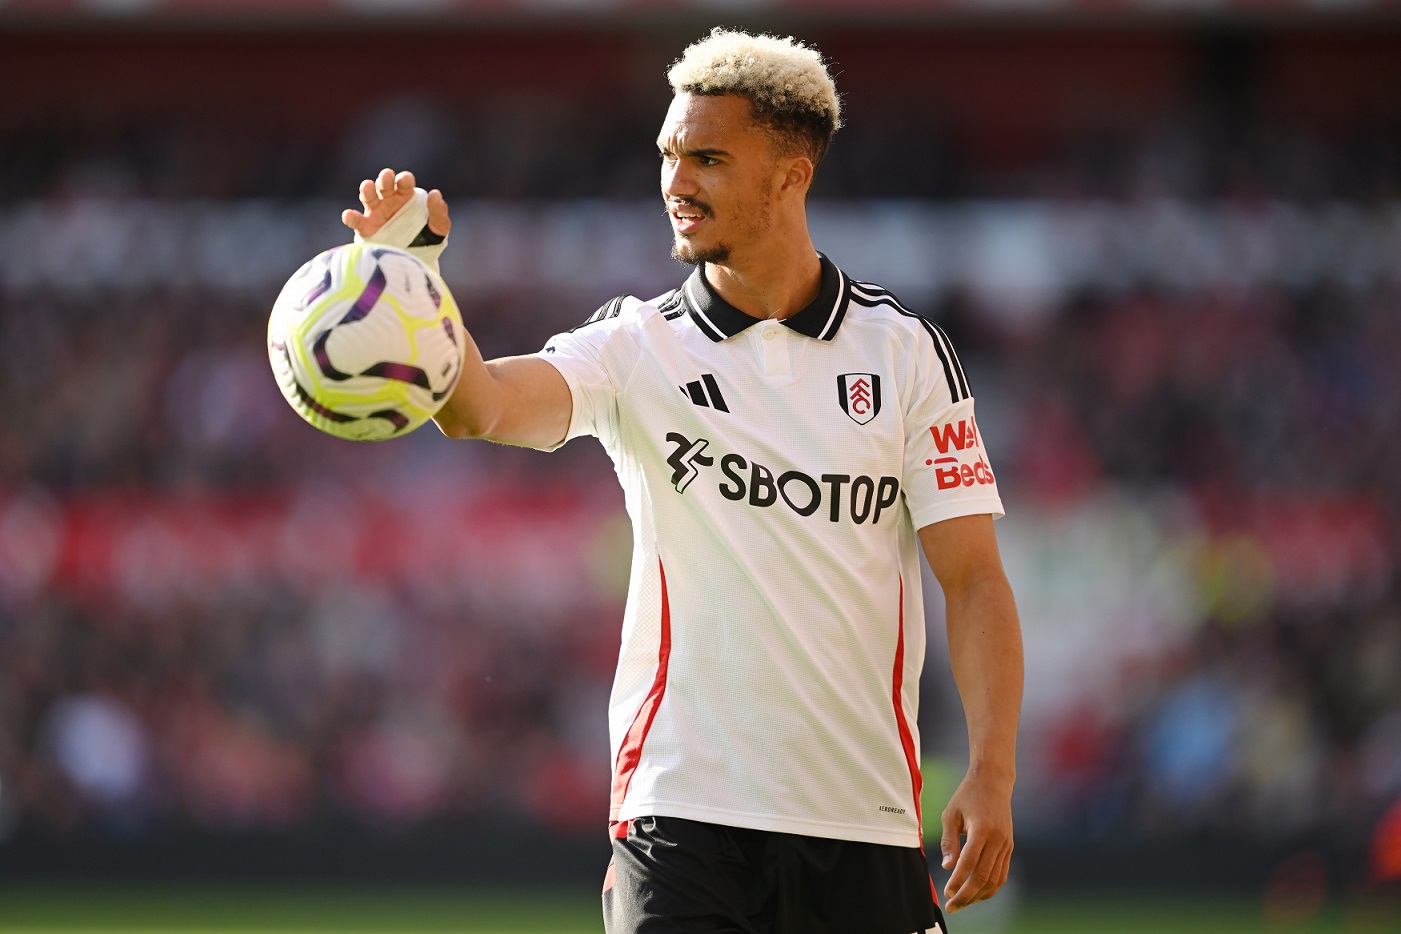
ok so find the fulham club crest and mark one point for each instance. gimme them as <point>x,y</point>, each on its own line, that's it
<point>859,395</point>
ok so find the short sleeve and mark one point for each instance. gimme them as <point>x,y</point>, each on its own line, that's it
<point>947,471</point>
<point>588,359</point>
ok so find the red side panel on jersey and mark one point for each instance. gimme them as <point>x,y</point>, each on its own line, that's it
<point>933,889</point>
<point>630,752</point>
<point>907,738</point>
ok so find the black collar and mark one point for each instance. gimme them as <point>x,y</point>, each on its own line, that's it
<point>718,319</point>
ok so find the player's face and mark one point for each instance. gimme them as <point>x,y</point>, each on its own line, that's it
<point>718,169</point>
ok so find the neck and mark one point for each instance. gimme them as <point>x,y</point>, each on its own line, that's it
<point>777,280</point>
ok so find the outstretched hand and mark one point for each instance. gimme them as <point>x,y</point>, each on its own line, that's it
<point>981,809</point>
<point>384,195</point>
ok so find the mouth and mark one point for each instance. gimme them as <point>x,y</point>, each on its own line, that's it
<point>687,216</point>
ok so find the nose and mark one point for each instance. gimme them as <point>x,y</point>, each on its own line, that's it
<point>677,180</point>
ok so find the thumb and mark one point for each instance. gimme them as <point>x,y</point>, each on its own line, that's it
<point>438,220</point>
<point>949,844</point>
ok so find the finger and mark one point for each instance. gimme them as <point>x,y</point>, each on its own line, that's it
<point>969,875</point>
<point>368,197</point>
<point>352,218</point>
<point>996,860</point>
<point>384,183</point>
<point>438,220</point>
<point>404,183</point>
<point>948,843</point>
<point>996,876</point>
<point>999,875</point>
<point>1004,868</point>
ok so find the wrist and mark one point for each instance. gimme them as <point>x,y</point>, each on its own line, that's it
<point>994,772</point>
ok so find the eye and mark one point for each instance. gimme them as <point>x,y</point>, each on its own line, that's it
<point>708,161</point>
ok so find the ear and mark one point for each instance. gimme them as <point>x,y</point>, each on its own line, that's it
<point>795,176</point>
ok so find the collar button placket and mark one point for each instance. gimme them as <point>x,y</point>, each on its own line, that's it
<point>775,351</point>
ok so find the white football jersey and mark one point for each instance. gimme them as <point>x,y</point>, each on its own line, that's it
<point>776,473</point>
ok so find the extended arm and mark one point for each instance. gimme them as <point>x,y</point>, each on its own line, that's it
<point>513,400</point>
<point>985,650</point>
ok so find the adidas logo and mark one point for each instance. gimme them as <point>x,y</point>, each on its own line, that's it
<point>705,392</point>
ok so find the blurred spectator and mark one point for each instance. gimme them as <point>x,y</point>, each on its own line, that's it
<point>100,746</point>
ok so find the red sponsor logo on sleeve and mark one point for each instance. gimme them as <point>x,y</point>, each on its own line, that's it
<point>959,436</point>
<point>950,470</point>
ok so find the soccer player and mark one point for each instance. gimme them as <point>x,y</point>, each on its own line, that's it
<point>787,437</point>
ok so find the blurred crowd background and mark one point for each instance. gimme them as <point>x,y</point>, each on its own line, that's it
<point>1167,243</point>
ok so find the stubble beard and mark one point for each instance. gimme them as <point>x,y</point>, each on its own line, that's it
<point>684,252</point>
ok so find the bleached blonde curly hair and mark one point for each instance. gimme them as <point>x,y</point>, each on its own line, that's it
<point>786,82</point>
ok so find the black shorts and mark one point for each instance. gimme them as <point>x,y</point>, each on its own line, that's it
<point>674,876</point>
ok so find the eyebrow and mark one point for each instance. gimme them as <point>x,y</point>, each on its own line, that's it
<point>695,153</point>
